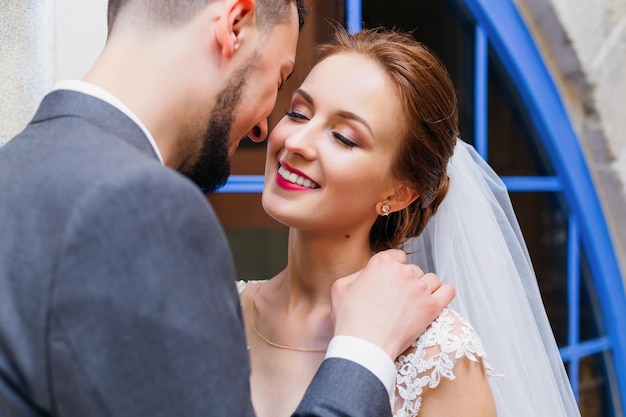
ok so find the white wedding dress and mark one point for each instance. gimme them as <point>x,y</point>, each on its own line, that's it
<point>430,358</point>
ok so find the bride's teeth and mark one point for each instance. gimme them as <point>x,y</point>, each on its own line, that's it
<point>295,178</point>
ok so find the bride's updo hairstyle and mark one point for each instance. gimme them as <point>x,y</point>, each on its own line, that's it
<point>430,118</point>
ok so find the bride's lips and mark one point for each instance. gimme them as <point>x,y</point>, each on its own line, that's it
<point>292,179</point>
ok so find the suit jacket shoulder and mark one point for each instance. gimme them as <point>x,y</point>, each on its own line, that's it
<point>116,282</point>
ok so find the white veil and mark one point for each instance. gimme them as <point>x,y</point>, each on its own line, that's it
<point>474,243</point>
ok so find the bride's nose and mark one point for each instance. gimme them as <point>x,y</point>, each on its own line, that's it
<point>302,141</point>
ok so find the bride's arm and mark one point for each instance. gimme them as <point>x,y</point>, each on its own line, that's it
<point>467,395</point>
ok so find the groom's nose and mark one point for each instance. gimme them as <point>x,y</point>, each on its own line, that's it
<point>259,132</point>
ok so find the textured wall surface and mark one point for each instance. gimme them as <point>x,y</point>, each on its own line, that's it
<point>584,45</point>
<point>598,33</point>
<point>26,61</point>
<point>41,42</point>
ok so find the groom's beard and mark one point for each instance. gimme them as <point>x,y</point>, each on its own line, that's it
<point>212,169</point>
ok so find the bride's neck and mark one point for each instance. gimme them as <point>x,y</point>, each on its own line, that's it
<point>294,308</point>
<point>316,261</point>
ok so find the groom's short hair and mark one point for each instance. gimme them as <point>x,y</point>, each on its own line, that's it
<point>177,12</point>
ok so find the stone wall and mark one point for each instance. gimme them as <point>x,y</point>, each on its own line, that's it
<point>584,45</point>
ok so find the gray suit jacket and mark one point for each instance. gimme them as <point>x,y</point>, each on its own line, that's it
<point>117,294</point>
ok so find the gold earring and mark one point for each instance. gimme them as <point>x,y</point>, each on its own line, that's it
<point>385,208</point>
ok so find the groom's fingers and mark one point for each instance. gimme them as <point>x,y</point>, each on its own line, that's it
<point>387,256</point>
<point>417,270</point>
<point>341,284</point>
<point>390,303</point>
<point>444,294</point>
<point>431,281</point>
<point>396,254</point>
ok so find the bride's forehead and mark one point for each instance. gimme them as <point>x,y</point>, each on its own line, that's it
<point>356,85</point>
<point>350,73</point>
<point>348,62</point>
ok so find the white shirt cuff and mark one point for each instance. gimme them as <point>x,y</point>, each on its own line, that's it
<point>367,355</point>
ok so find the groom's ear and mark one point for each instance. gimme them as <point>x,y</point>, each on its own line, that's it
<point>235,24</point>
<point>402,198</point>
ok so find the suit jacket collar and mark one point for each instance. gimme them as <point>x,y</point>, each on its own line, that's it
<point>63,103</point>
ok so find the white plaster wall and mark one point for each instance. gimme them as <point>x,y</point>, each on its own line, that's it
<point>80,34</point>
<point>41,42</point>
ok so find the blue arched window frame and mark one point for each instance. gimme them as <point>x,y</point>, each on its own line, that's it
<point>498,25</point>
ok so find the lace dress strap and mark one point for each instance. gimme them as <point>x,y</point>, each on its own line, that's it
<point>433,357</point>
<point>241,284</point>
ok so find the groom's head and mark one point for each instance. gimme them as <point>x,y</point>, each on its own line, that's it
<point>239,53</point>
<point>177,12</point>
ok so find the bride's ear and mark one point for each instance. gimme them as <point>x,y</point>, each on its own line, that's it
<point>402,198</point>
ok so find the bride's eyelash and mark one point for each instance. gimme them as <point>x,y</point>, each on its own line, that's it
<point>295,115</point>
<point>345,141</point>
<point>342,139</point>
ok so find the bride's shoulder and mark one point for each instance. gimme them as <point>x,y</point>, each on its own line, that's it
<point>451,331</point>
<point>433,356</point>
<point>449,338</point>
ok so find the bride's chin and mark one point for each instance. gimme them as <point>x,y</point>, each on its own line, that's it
<point>281,216</point>
<point>270,210</point>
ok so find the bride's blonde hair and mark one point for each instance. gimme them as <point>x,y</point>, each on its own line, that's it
<point>429,105</point>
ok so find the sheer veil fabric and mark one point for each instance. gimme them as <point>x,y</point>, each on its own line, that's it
<point>474,243</point>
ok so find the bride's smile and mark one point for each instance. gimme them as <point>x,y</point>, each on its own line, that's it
<point>294,176</point>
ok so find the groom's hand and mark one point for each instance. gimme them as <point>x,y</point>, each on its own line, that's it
<point>389,303</point>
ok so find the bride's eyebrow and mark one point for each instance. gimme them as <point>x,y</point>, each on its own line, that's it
<point>342,113</point>
<point>351,116</point>
<point>306,96</point>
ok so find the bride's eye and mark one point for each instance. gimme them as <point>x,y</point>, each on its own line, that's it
<point>343,140</point>
<point>295,115</point>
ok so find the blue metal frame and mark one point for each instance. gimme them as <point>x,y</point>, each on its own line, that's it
<point>510,39</point>
<point>481,78</point>
<point>573,296</point>
<point>243,184</point>
<point>499,25</point>
<point>353,13</point>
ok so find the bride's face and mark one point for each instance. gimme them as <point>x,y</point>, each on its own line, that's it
<point>329,159</point>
